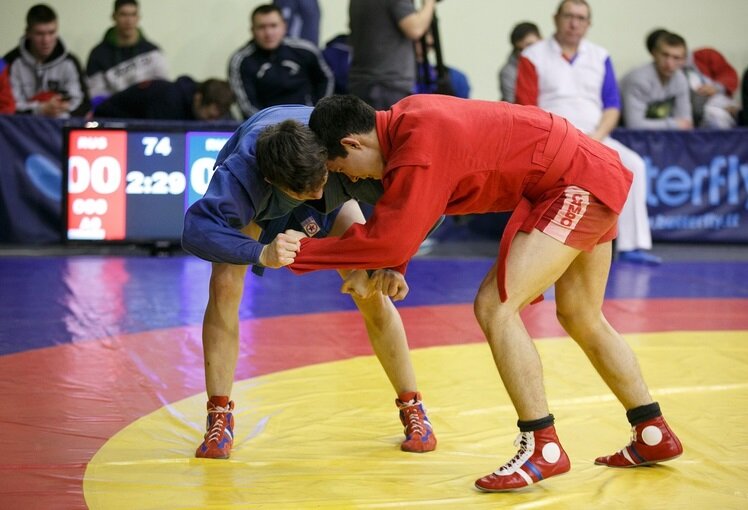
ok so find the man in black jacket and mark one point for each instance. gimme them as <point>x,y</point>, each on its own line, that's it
<point>273,69</point>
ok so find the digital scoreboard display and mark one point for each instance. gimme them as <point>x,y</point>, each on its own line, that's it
<point>125,185</point>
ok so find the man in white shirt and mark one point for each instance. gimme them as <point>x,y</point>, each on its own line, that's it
<point>570,76</point>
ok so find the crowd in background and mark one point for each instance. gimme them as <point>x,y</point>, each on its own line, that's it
<point>387,56</point>
<point>127,76</point>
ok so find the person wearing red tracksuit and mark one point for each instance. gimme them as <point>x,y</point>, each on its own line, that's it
<point>442,155</point>
<point>7,103</point>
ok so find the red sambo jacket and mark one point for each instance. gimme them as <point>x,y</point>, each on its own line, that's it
<point>454,156</point>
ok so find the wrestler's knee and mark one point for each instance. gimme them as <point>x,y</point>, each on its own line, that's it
<point>565,317</point>
<point>579,324</point>
<point>571,319</point>
<point>227,283</point>
<point>490,311</point>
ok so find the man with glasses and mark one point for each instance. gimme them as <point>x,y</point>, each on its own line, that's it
<point>572,77</point>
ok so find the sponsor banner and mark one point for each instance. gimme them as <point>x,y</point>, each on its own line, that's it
<point>697,183</point>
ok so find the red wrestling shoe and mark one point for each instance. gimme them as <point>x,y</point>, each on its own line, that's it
<point>219,435</point>
<point>540,456</point>
<point>419,435</point>
<point>652,441</point>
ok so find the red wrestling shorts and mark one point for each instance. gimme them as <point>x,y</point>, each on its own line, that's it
<point>579,220</point>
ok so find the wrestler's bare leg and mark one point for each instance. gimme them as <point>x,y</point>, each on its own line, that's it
<point>383,323</point>
<point>579,300</point>
<point>221,351</point>
<point>652,440</point>
<point>390,344</point>
<point>221,322</point>
<point>221,327</point>
<point>534,262</point>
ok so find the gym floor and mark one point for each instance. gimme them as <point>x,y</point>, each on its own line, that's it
<point>102,399</point>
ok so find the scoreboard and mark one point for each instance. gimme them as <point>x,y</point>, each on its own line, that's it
<point>125,185</point>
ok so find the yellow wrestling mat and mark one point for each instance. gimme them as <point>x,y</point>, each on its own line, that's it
<point>327,436</point>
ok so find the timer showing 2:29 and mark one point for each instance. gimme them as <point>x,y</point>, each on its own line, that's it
<point>158,183</point>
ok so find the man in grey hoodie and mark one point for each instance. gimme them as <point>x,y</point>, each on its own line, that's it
<point>46,79</point>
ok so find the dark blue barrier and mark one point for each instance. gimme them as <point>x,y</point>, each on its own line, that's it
<point>30,179</point>
<point>697,181</point>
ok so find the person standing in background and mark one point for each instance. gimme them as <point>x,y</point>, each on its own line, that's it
<point>337,53</point>
<point>567,75</point>
<point>523,35</point>
<point>383,69</point>
<point>45,78</point>
<point>302,18</point>
<point>428,79</point>
<point>124,57</point>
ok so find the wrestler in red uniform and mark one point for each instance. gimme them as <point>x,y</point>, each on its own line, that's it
<point>440,155</point>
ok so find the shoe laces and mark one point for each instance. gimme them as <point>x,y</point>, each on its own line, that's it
<point>525,442</point>
<point>634,436</point>
<point>217,423</point>
<point>414,423</point>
